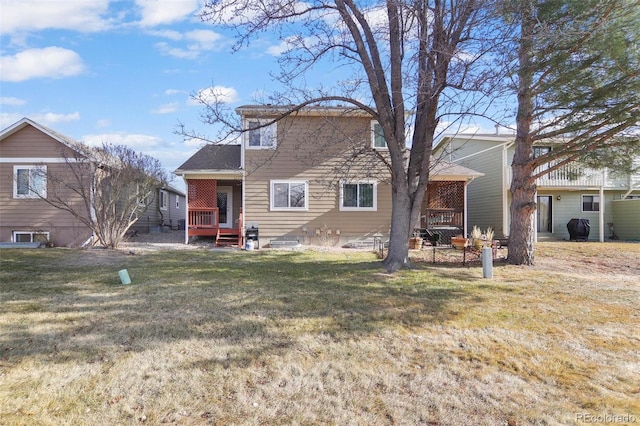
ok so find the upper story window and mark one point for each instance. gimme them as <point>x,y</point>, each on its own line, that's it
<point>177,202</point>
<point>29,181</point>
<point>590,203</point>
<point>260,135</point>
<point>289,195</point>
<point>539,151</point>
<point>358,196</point>
<point>377,136</point>
<point>163,200</point>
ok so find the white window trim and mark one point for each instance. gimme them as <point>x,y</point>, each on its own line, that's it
<point>373,137</point>
<point>359,209</point>
<point>31,233</point>
<point>582,203</point>
<point>267,131</point>
<point>163,200</point>
<point>298,209</point>
<point>177,202</point>
<point>31,194</point>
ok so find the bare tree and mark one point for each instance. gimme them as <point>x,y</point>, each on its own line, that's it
<point>106,188</point>
<point>578,83</point>
<point>412,63</point>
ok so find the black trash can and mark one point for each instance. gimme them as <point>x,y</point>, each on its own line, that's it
<point>578,229</point>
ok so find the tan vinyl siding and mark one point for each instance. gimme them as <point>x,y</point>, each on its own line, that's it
<point>313,150</point>
<point>32,214</point>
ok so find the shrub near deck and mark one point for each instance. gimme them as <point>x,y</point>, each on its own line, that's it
<point>207,337</point>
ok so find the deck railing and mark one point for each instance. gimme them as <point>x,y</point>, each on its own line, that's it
<point>443,217</point>
<point>203,217</point>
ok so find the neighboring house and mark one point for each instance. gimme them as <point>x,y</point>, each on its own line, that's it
<point>29,152</point>
<point>609,200</point>
<point>166,211</point>
<point>316,177</point>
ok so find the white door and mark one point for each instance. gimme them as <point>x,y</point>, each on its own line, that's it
<point>225,206</point>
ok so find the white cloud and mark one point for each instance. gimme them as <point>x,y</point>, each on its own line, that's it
<point>138,142</point>
<point>35,15</point>
<point>160,12</point>
<point>197,41</point>
<point>102,123</point>
<point>12,101</point>
<point>50,118</point>
<point>210,95</point>
<point>166,109</point>
<point>50,62</point>
<point>171,92</point>
<point>7,119</point>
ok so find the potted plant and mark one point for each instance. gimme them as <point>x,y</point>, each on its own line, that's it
<point>476,238</point>
<point>459,242</point>
<point>488,237</point>
<point>415,242</point>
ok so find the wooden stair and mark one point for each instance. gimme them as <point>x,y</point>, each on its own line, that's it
<point>228,237</point>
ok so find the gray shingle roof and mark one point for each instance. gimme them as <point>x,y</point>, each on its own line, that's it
<point>214,157</point>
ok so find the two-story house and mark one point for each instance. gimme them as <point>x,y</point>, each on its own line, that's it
<point>608,199</point>
<point>29,153</point>
<point>314,177</point>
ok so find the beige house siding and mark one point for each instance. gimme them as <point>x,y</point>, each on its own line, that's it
<point>29,146</point>
<point>313,150</point>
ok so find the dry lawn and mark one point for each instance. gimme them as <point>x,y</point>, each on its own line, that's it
<point>285,337</point>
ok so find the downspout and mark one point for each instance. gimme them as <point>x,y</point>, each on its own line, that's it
<point>602,204</point>
<point>505,190</point>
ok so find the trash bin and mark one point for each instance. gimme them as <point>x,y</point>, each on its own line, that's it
<point>181,224</point>
<point>578,229</point>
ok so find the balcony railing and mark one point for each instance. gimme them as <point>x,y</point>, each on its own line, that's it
<point>570,175</point>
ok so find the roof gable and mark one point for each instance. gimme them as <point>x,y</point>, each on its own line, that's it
<point>214,157</point>
<point>21,124</point>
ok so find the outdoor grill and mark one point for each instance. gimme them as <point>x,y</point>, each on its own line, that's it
<point>252,234</point>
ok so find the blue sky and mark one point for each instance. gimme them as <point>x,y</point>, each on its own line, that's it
<point>123,71</point>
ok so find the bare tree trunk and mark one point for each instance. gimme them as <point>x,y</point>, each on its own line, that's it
<point>523,188</point>
<point>523,207</point>
<point>398,255</point>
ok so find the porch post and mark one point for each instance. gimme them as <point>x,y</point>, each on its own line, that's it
<point>601,214</point>
<point>186,208</point>
<point>464,231</point>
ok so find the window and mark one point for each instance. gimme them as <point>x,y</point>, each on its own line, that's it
<point>260,137</point>
<point>163,200</point>
<point>289,195</point>
<point>539,151</point>
<point>30,237</point>
<point>177,202</point>
<point>377,136</point>
<point>590,203</point>
<point>29,181</point>
<point>358,196</point>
